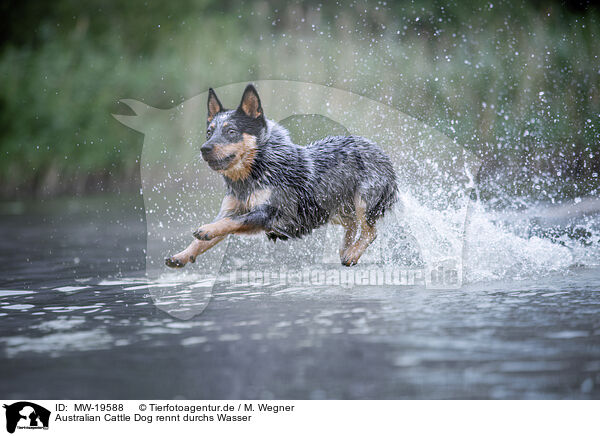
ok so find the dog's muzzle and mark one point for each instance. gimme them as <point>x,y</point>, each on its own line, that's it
<point>220,164</point>
<point>206,151</point>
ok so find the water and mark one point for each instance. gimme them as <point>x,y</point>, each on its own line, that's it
<point>78,320</point>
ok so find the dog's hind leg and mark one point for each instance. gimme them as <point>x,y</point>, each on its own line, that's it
<point>350,231</point>
<point>368,233</point>
<point>192,251</point>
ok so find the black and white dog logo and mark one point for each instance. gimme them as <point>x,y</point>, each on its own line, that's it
<point>26,415</point>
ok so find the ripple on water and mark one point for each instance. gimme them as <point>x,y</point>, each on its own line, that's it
<point>193,341</point>
<point>531,366</point>
<point>120,282</point>
<point>229,337</point>
<point>10,293</point>
<point>71,288</point>
<point>568,334</point>
<point>67,309</point>
<point>61,323</point>
<point>18,306</point>
<point>56,344</point>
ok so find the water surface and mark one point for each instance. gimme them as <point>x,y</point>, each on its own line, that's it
<point>77,320</point>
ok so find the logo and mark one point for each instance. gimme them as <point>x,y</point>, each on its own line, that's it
<point>26,415</point>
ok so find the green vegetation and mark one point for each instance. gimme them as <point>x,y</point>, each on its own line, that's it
<point>516,83</point>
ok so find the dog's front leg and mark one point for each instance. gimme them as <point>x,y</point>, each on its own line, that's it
<point>192,251</point>
<point>257,220</point>
<point>221,227</point>
<point>197,247</point>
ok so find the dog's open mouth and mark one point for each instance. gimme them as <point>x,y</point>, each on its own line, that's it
<point>221,164</point>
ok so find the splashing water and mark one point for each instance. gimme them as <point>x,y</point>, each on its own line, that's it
<point>495,246</point>
<point>435,175</point>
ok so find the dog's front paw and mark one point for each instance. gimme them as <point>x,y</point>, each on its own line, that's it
<point>203,234</point>
<point>171,262</point>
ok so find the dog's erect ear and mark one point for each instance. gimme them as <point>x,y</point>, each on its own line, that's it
<point>250,104</point>
<point>214,105</point>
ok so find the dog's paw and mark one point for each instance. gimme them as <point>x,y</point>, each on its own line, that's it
<point>203,234</point>
<point>171,262</point>
<point>350,257</point>
<point>349,261</point>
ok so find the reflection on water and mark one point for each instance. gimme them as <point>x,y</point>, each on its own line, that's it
<point>90,328</point>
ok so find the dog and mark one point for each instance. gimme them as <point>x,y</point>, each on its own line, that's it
<point>285,190</point>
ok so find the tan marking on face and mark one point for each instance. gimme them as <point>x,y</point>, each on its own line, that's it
<point>222,151</point>
<point>245,154</point>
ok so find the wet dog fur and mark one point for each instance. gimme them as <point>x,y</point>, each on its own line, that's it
<point>285,190</point>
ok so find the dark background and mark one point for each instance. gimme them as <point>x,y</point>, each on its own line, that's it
<point>516,82</point>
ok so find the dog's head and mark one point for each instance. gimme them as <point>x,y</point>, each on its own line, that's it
<point>231,135</point>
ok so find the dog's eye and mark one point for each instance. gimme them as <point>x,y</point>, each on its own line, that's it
<point>231,131</point>
<point>209,133</point>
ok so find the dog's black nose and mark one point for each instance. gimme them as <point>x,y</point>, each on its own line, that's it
<point>206,149</point>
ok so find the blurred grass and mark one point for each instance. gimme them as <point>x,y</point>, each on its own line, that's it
<point>515,82</point>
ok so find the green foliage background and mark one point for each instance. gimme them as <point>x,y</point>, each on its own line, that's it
<point>516,82</point>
